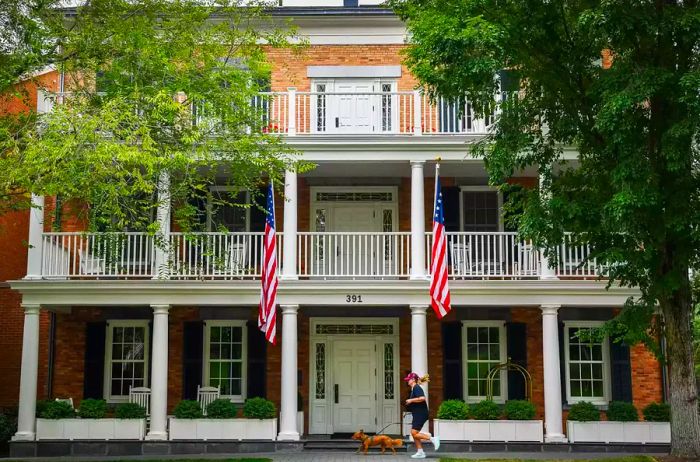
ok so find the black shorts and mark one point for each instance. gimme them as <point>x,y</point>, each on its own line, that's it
<point>419,419</point>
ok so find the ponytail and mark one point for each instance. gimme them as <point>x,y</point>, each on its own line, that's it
<point>424,379</point>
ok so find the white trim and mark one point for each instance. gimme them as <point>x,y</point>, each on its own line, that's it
<point>244,355</point>
<point>336,72</point>
<point>111,324</point>
<point>503,345</point>
<point>226,188</point>
<point>483,188</point>
<point>607,392</point>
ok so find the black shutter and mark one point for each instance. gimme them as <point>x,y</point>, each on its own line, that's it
<point>452,360</point>
<point>257,211</point>
<point>450,201</point>
<point>562,362</point>
<point>257,361</point>
<point>516,336</point>
<point>621,372</point>
<point>93,378</point>
<point>192,354</point>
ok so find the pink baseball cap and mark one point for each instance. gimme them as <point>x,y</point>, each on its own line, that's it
<point>411,376</point>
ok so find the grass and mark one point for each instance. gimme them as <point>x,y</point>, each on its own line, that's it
<point>607,459</point>
<point>181,460</point>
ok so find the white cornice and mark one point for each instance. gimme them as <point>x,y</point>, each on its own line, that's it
<point>318,293</point>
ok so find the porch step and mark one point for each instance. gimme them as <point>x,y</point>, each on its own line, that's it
<point>340,446</point>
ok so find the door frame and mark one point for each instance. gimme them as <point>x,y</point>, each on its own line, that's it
<point>321,418</point>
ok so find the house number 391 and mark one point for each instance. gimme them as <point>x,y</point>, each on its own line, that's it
<point>353,299</point>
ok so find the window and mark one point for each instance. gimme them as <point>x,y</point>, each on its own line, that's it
<point>484,348</point>
<point>126,362</point>
<point>225,357</point>
<point>228,211</point>
<point>587,365</point>
<point>480,209</point>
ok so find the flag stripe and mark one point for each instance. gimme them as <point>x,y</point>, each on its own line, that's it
<point>267,313</point>
<point>439,289</point>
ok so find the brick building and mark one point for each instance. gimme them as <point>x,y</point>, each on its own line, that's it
<point>354,252</point>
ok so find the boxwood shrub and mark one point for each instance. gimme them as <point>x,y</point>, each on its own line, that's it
<point>583,411</point>
<point>517,409</point>
<point>657,412</point>
<point>621,411</point>
<point>453,409</point>
<point>259,408</point>
<point>8,427</point>
<point>130,411</point>
<point>188,409</point>
<point>92,409</point>
<point>486,410</point>
<point>58,410</point>
<point>222,409</point>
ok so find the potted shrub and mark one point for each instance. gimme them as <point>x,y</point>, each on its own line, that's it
<point>621,426</point>
<point>58,422</point>
<point>451,418</point>
<point>222,423</point>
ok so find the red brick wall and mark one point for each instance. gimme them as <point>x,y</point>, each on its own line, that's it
<point>646,377</point>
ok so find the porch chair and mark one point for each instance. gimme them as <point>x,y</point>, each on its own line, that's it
<point>89,264</point>
<point>461,259</point>
<point>142,397</point>
<point>66,400</point>
<point>527,263</point>
<point>232,260</point>
<point>205,396</point>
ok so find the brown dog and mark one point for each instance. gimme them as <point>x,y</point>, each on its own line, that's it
<point>378,440</point>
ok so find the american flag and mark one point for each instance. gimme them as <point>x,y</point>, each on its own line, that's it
<point>439,291</point>
<point>267,315</point>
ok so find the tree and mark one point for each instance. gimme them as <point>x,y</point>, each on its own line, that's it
<point>619,81</point>
<point>156,89</point>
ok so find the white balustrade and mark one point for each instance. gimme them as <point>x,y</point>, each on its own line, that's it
<point>359,255</point>
<point>572,260</point>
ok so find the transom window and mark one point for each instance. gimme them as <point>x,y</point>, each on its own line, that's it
<point>587,365</point>
<point>225,357</point>
<point>484,348</point>
<point>127,358</point>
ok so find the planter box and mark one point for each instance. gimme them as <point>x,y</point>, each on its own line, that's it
<point>489,430</point>
<point>223,429</point>
<point>618,432</point>
<point>90,429</point>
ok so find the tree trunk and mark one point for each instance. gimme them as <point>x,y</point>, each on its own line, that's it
<point>685,419</point>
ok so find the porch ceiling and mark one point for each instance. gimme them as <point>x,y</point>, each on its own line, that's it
<point>58,295</point>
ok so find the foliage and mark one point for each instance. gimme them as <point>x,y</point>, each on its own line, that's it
<point>453,409</point>
<point>614,83</point>
<point>259,408</point>
<point>657,412</point>
<point>57,410</point>
<point>517,409</point>
<point>188,409</point>
<point>8,427</point>
<point>222,409</point>
<point>486,410</point>
<point>621,411</point>
<point>41,405</point>
<point>155,87</point>
<point>130,411</point>
<point>92,409</point>
<point>583,411</point>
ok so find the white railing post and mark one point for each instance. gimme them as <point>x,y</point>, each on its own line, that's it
<point>289,239</point>
<point>162,240</point>
<point>292,111</point>
<point>36,229</point>
<point>417,113</point>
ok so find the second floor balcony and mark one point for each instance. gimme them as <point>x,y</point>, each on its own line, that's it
<point>319,255</point>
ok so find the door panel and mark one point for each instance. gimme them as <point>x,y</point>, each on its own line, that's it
<point>354,110</point>
<point>353,375</point>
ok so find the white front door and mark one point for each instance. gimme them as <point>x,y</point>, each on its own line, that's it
<point>354,386</point>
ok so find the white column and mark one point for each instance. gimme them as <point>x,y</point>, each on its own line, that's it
<point>417,221</point>
<point>162,243</point>
<point>28,377</point>
<point>546,272</point>
<point>36,229</point>
<point>288,404</point>
<point>159,374</point>
<point>289,236</point>
<point>552,377</point>
<point>417,113</point>
<point>419,341</point>
<point>292,111</point>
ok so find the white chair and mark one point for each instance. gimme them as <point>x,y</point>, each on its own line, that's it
<point>207,395</point>
<point>142,397</point>
<point>527,264</point>
<point>236,258</point>
<point>90,264</point>
<point>66,400</point>
<point>461,259</point>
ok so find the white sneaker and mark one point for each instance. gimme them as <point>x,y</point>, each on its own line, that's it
<point>418,455</point>
<point>436,442</point>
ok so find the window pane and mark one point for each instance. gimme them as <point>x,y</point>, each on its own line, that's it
<point>483,335</point>
<point>597,371</point>
<point>575,371</point>
<point>472,352</point>
<point>237,334</point>
<point>598,388</point>
<point>471,335</point>
<point>585,371</point>
<point>575,388</point>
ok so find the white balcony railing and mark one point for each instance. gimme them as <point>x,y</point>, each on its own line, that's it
<point>320,255</point>
<point>362,255</point>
